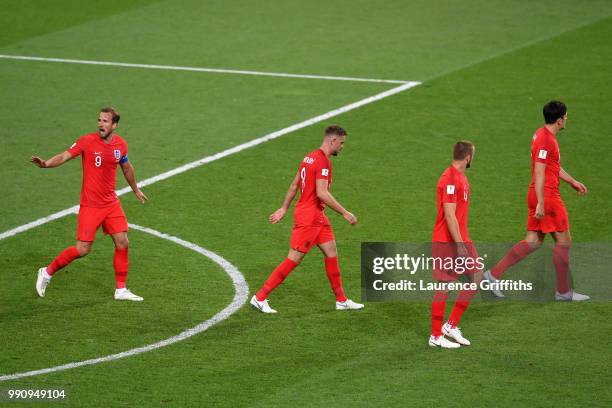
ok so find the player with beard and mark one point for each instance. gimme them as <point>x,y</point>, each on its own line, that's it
<point>451,240</point>
<point>311,225</point>
<point>546,210</point>
<point>101,152</point>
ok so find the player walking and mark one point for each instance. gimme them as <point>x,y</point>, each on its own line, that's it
<point>450,239</point>
<point>100,153</point>
<point>546,211</point>
<point>311,225</point>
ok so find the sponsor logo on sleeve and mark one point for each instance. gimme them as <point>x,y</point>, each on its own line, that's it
<point>325,172</point>
<point>542,154</point>
<point>450,189</point>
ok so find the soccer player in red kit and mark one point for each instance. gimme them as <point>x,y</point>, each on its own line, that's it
<point>311,226</point>
<point>546,211</point>
<point>450,239</point>
<point>100,153</point>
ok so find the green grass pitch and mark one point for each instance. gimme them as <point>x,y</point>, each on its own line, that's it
<point>486,68</point>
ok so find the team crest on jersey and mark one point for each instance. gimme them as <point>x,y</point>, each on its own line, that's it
<point>117,154</point>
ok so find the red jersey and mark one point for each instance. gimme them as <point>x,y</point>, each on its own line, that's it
<point>453,187</point>
<point>545,149</point>
<point>309,210</point>
<point>99,160</point>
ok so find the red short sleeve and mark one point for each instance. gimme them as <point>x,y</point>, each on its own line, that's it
<point>124,156</point>
<point>321,167</point>
<point>77,147</point>
<point>449,191</point>
<point>542,149</point>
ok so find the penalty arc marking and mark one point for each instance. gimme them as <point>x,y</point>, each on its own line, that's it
<point>240,285</point>
<point>241,289</point>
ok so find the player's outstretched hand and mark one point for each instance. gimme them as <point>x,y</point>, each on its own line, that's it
<point>141,196</point>
<point>350,218</point>
<point>38,161</point>
<point>277,215</point>
<point>580,188</point>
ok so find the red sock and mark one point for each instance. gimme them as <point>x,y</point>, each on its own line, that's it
<point>561,261</point>
<point>277,277</point>
<point>64,258</point>
<point>462,303</point>
<point>438,305</point>
<point>518,252</point>
<point>333,274</point>
<point>121,264</point>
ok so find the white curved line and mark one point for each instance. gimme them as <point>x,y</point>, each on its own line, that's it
<point>240,297</point>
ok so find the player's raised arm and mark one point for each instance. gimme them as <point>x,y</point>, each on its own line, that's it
<point>326,197</point>
<point>576,185</point>
<point>539,177</point>
<point>55,161</point>
<point>278,215</point>
<point>128,173</point>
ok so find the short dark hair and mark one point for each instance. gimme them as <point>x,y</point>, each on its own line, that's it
<point>334,130</point>
<point>113,111</point>
<point>553,111</point>
<point>463,149</point>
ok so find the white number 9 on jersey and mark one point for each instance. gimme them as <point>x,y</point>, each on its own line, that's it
<point>303,177</point>
<point>98,161</point>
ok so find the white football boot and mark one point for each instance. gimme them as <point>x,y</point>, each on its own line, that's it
<point>455,333</point>
<point>571,296</point>
<point>42,281</point>
<point>126,294</point>
<point>493,284</point>
<point>348,304</point>
<point>262,305</point>
<point>443,342</point>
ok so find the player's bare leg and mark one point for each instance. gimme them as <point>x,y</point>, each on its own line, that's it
<point>81,249</point>
<point>532,242</point>
<point>121,265</point>
<point>259,301</point>
<point>563,243</point>
<point>332,269</point>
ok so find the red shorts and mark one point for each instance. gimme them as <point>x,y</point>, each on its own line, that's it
<point>448,266</point>
<point>112,219</point>
<point>555,215</point>
<point>304,238</point>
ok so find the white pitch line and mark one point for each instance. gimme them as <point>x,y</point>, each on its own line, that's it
<point>240,297</point>
<point>224,153</point>
<point>199,69</point>
<point>240,285</point>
